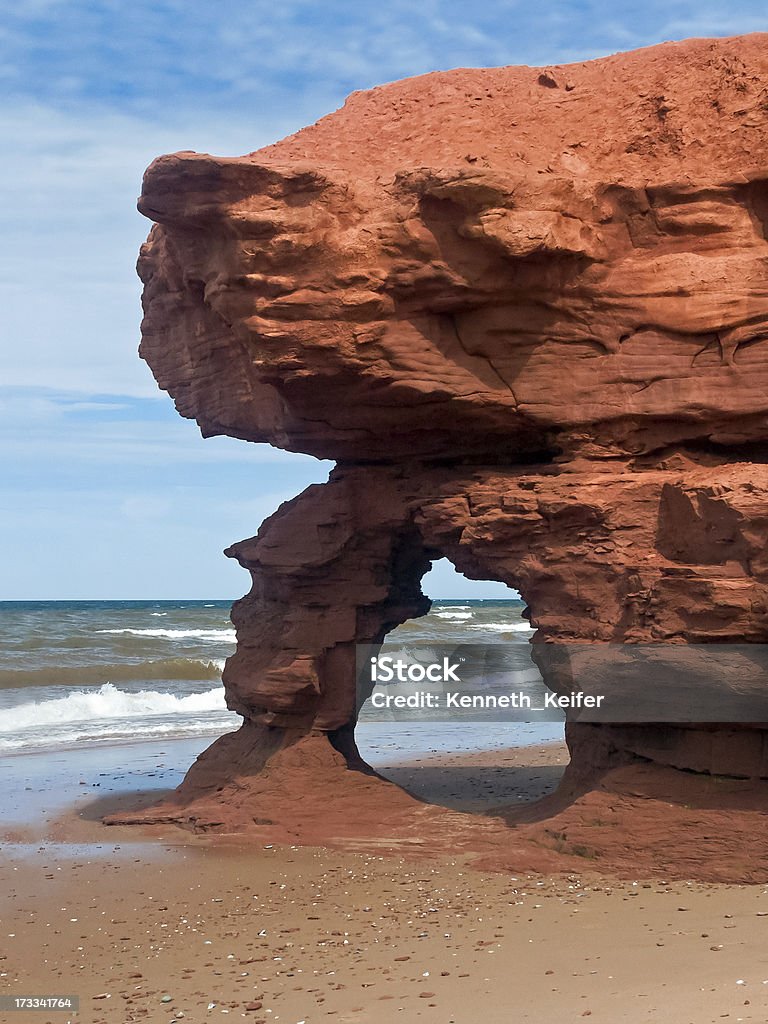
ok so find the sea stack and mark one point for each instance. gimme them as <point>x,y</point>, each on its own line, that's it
<point>525,311</point>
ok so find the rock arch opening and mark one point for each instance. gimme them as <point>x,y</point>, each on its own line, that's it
<point>422,323</point>
<point>410,733</point>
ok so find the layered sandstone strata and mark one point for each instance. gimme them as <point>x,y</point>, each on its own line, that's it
<point>526,312</point>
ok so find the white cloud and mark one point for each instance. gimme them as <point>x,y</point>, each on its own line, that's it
<point>715,22</point>
<point>69,296</point>
<point>103,88</point>
<point>39,425</point>
<point>145,506</point>
<point>106,496</point>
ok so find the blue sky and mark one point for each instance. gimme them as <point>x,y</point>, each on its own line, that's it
<point>106,492</point>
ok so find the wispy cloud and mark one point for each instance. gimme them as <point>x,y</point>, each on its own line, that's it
<point>136,56</point>
<point>58,429</point>
<point>106,491</point>
<point>102,543</point>
<point>69,297</point>
<point>100,88</point>
<point>122,497</point>
<point>715,20</point>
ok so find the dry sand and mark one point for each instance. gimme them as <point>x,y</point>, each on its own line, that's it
<point>289,934</point>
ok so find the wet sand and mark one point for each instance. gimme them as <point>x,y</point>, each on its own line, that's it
<point>170,927</point>
<point>484,781</point>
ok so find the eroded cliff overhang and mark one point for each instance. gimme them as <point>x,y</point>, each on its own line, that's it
<point>480,262</point>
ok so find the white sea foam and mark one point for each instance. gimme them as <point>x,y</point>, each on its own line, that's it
<point>457,616</point>
<point>217,635</point>
<point>111,715</point>
<point>120,731</point>
<point>107,702</point>
<point>504,627</point>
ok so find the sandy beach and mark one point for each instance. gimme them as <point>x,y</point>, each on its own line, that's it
<point>171,927</point>
<point>384,605</point>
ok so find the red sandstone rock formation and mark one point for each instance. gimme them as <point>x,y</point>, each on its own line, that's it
<point>526,311</point>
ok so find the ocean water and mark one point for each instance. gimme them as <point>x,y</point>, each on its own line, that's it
<point>83,673</point>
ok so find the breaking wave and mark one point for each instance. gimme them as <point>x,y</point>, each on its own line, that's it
<point>110,714</point>
<point>214,635</point>
<point>504,627</point>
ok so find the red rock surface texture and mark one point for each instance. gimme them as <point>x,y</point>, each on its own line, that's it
<point>525,310</point>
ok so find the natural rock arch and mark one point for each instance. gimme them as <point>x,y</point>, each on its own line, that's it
<point>531,327</point>
<point>341,565</point>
